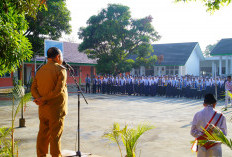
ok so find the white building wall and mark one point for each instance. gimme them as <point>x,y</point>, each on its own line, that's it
<point>193,64</point>
<point>28,78</point>
<point>132,71</point>
<point>142,70</point>
<point>155,70</point>
<point>182,70</point>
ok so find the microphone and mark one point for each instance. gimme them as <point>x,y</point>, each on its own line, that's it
<point>67,66</point>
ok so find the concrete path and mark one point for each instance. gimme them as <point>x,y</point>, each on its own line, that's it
<point>171,116</point>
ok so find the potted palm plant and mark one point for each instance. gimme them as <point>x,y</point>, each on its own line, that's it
<point>19,99</point>
<point>128,136</point>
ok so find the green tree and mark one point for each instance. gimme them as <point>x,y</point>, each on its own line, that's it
<point>14,46</point>
<point>113,36</point>
<point>49,23</point>
<point>211,5</point>
<point>208,49</point>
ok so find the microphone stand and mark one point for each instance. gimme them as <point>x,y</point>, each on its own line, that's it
<point>78,152</point>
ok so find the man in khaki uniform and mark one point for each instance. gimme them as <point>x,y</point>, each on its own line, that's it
<point>50,92</point>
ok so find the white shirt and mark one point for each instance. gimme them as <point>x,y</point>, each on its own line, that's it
<point>145,82</point>
<point>228,86</point>
<point>122,81</point>
<point>152,82</point>
<point>207,83</point>
<point>156,80</point>
<point>221,82</point>
<point>105,80</point>
<point>201,119</point>
<point>173,83</point>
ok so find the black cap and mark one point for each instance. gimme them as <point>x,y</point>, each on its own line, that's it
<point>209,99</point>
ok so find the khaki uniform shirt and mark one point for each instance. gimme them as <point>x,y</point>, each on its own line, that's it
<point>50,85</point>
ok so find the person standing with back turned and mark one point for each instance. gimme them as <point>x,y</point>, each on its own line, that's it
<point>50,92</point>
<point>205,118</point>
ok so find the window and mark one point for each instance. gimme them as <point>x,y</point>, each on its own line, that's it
<point>137,71</point>
<point>176,72</point>
<point>76,71</point>
<point>149,72</point>
<point>172,70</point>
<point>6,75</point>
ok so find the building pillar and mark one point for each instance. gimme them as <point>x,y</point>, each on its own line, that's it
<point>180,70</point>
<point>159,70</point>
<point>199,70</point>
<point>226,66</point>
<point>220,65</point>
<point>142,70</point>
<point>132,71</point>
<point>154,67</point>
<point>213,69</point>
<point>184,70</point>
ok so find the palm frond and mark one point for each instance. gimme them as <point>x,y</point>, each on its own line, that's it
<point>18,91</point>
<point>19,96</point>
<point>5,142</point>
<point>113,135</point>
<point>23,100</point>
<point>136,134</point>
<point>217,136</point>
<point>4,132</point>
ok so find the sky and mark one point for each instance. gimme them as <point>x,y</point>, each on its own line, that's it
<point>175,22</point>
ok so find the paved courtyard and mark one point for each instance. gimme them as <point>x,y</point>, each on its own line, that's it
<point>171,116</point>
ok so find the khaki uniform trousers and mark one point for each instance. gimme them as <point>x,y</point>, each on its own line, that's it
<point>50,131</point>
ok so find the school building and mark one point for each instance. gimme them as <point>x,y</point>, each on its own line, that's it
<point>176,59</point>
<point>187,59</point>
